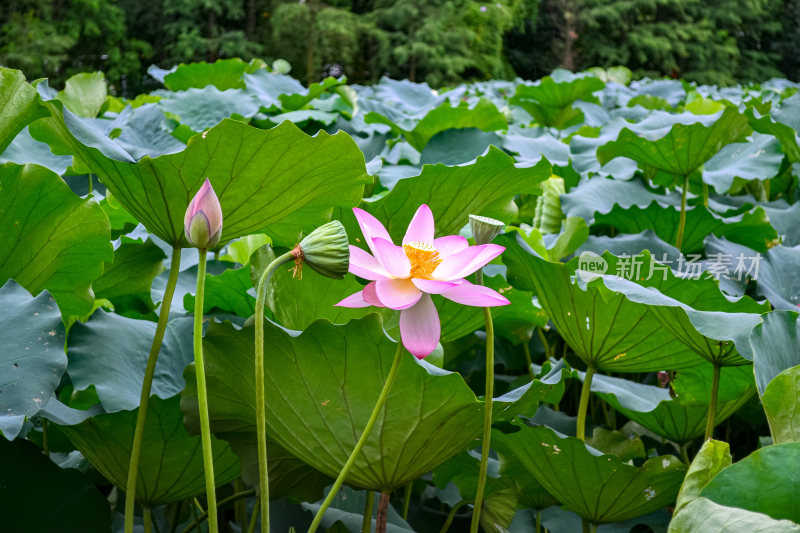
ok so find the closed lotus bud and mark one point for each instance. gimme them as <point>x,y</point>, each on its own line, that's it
<point>485,229</point>
<point>324,250</point>
<point>203,221</point>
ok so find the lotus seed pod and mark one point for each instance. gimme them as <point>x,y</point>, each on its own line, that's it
<point>325,250</point>
<point>485,229</point>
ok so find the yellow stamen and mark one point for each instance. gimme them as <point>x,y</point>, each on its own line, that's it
<point>423,257</point>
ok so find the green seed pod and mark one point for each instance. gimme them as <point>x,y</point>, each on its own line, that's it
<point>325,250</point>
<point>485,229</point>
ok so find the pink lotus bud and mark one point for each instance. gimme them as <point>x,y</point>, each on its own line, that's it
<point>203,221</point>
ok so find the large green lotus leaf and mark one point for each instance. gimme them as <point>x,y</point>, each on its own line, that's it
<point>288,475</point>
<point>85,93</point>
<point>280,179</point>
<point>483,115</point>
<point>776,360</point>
<point>750,229</point>
<point>786,135</point>
<point>278,91</point>
<point>711,459</point>
<point>53,240</point>
<point>65,499</point>
<point>295,101</point>
<point>200,109</point>
<point>486,187</point>
<point>127,280</point>
<point>776,346</point>
<point>25,149</point>
<point>116,369</point>
<point>781,403</point>
<point>600,488</point>
<point>32,358</point>
<point>455,147</point>
<point>603,328</point>
<point>321,385</point>
<point>683,148</point>
<point>145,130</point>
<point>758,159</point>
<point>705,516</point>
<point>599,196</point>
<point>779,276</point>
<point>297,303</point>
<point>223,74</point>
<point>672,418</point>
<point>534,148</point>
<point>693,310</point>
<point>763,482</point>
<point>226,292</point>
<point>19,105</point>
<point>550,102</point>
<point>171,462</point>
<point>583,153</point>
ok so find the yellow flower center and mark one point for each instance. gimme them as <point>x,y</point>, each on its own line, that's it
<point>423,257</point>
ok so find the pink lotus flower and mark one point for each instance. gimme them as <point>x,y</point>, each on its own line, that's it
<point>202,223</point>
<point>404,277</point>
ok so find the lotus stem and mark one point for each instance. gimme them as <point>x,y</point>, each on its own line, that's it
<point>387,386</point>
<point>580,431</point>
<point>682,223</point>
<point>407,499</point>
<point>538,521</point>
<point>202,394</point>
<point>383,510</point>
<point>261,404</point>
<point>712,406</point>
<point>147,517</point>
<point>705,194</point>
<point>222,503</point>
<point>452,514</point>
<point>487,412</point>
<point>256,509</point>
<point>366,523</point>
<point>138,434</point>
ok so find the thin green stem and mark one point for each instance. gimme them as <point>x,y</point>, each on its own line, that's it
<point>546,344</point>
<point>202,394</point>
<point>147,517</point>
<point>194,505</point>
<point>387,386</point>
<point>487,412</point>
<point>176,513</point>
<point>586,525</point>
<point>90,184</point>
<point>256,508</point>
<point>261,404</point>
<point>684,448</point>
<point>538,521</point>
<point>45,443</point>
<point>407,499</point>
<point>705,194</point>
<point>584,403</point>
<point>366,523</point>
<point>149,371</point>
<point>452,514</point>
<point>712,406</point>
<point>222,503</point>
<point>593,528</point>
<point>682,223</point>
<point>527,351</point>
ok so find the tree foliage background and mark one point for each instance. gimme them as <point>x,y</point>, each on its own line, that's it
<point>438,41</point>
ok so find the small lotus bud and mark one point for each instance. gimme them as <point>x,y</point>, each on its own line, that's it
<point>485,229</point>
<point>203,221</point>
<point>325,250</point>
